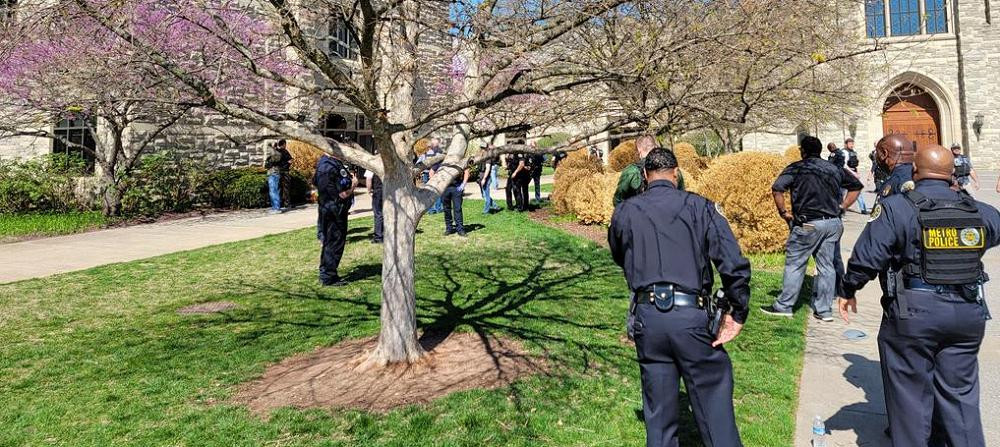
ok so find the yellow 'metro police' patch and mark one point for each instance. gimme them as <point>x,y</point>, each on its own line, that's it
<point>951,238</point>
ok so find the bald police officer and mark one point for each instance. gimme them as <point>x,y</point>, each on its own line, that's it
<point>894,154</point>
<point>335,188</point>
<point>667,241</point>
<point>934,312</point>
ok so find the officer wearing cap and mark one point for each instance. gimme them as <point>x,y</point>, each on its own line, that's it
<point>964,173</point>
<point>667,242</point>
<point>335,188</point>
<point>934,315</point>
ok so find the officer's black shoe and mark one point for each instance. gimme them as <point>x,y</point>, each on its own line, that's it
<point>376,241</point>
<point>462,234</point>
<point>448,232</point>
<point>336,282</point>
<point>770,310</point>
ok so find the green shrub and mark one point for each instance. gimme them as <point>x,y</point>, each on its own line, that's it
<point>248,191</point>
<point>162,184</point>
<point>44,184</point>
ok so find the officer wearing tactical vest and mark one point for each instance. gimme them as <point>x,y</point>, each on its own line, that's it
<point>667,241</point>
<point>934,314</point>
<point>963,169</point>
<point>335,188</point>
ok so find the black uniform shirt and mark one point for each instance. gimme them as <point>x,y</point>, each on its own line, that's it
<point>892,238</point>
<point>815,184</point>
<point>894,183</point>
<point>331,179</point>
<point>669,236</point>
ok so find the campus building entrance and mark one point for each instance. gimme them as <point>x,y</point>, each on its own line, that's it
<point>911,111</point>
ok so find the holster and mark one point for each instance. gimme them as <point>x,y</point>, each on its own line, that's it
<point>716,308</point>
<point>982,295</point>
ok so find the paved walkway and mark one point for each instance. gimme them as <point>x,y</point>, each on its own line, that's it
<point>49,256</point>
<point>841,381</point>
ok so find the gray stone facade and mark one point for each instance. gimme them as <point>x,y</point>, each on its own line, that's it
<point>931,62</point>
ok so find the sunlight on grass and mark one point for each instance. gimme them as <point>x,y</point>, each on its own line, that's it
<point>101,357</point>
<point>13,226</point>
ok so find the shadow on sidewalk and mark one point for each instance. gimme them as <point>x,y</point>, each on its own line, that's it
<point>866,419</point>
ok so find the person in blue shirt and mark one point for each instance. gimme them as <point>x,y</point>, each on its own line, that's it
<point>934,318</point>
<point>667,242</point>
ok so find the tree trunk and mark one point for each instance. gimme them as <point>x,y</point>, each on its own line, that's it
<point>111,194</point>
<point>397,341</point>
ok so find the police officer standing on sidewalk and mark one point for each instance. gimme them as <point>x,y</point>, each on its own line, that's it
<point>666,241</point>
<point>335,188</point>
<point>934,311</point>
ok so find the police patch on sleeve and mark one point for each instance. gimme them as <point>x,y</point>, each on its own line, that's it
<point>343,172</point>
<point>876,213</point>
<point>887,190</point>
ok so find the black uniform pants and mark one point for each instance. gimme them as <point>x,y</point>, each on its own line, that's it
<point>379,230</point>
<point>930,370</point>
<point>521,183</point>
<point>509,189</point>
<point>676,345</point>
<point>333,223</point>
<point>452,200</point>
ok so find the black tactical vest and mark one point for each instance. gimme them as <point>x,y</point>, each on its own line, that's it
<point>952,240</point>
<point>963,169</point>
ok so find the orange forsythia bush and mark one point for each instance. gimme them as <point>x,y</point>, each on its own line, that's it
<point>622,156</point>
<point>741,185</point>
<point>304,157</point>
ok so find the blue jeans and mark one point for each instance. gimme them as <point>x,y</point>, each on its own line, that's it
<point>494,177</point>
<point>486,195</point>
<point>819,239</point>
<point>274,190</point>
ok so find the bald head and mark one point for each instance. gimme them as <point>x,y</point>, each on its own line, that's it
<point>645,144</point>
<point>893,150</point>
<point>933,162</point>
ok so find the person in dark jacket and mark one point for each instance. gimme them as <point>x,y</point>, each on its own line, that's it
<point>278,163</point>
<point>335,189</point>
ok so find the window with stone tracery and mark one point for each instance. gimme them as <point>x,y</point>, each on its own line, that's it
<point>896,18</point>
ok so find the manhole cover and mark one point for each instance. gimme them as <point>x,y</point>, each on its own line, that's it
<point>855,335</point>
<point>207,308</point>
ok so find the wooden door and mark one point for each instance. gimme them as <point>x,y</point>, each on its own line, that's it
<point>912,112</point>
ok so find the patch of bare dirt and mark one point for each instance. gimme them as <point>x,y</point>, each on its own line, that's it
<point>596,233</point>
<point>337,377</point>
<point>207,308</point>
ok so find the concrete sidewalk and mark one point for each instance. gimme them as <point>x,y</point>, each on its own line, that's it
<point>841,380</point>
<point>43,257</point>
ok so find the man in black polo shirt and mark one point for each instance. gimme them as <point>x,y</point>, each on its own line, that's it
<point>815,225</point>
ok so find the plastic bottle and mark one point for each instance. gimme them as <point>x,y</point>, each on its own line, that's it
<point>819,432</point>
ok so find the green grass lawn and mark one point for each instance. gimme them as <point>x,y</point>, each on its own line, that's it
<point>100,357</point>
<point>15,226</point>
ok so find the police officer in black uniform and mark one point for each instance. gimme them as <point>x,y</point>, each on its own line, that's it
<point>894,154</point>
<point>934,312</point>
<point>667,241</point>
<point>516,188</point>
<point>335,188</point>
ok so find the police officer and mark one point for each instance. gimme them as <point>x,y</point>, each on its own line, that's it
<point>516,169</point>
<point>963,169</point>
<point>934,314</point>
<point>335,188</point>
<point>894,154</point>
<point>667,241</point>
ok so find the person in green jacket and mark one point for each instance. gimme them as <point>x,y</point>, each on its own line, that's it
<point>631,182</point>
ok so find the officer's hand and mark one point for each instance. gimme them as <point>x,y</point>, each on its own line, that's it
<point>845,305</point>
<point>730,329</point>
<point>346,194</point>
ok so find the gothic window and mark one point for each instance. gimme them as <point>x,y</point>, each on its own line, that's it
<point>904,16</point>
<point>76,137</point>
<point>343,40</point>
<point>875,18</point>
<point>937,16</point>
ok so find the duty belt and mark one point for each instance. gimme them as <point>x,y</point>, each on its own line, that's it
<point>915,283</point>
<point>648,296</point>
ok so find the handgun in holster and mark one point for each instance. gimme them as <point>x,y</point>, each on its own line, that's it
<point>984,278</point>
<point>717,307</point>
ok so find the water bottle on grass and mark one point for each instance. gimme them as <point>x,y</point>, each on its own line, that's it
<point>819,432</point>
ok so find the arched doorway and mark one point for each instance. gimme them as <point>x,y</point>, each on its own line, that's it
<point>911,111</point>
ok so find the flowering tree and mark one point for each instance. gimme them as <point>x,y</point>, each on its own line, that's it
<point>60,63</point>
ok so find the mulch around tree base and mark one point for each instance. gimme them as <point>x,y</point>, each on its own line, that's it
<point>596,233</point>
<point>207,308</point>
<point>338,377</point>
